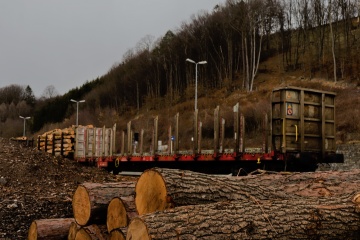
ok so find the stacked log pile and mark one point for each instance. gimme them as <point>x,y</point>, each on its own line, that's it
<point>58,142</point>
<point>179,204</point>
<point>100,211</point>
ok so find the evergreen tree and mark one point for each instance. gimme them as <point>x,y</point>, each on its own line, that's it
<point>29,96</point>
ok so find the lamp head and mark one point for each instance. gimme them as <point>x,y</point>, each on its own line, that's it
<point>189,60</point>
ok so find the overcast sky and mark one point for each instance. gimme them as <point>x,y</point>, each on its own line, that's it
<point>64,43</point>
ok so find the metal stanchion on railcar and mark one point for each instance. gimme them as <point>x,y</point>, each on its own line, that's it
<point>216,130</point>
<point>236,129</point>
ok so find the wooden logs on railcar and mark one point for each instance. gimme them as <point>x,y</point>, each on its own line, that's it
<point>57,141</point>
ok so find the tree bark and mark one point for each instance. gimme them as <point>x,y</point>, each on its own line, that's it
<point>49,229</point>
<point>309,184</point>
<point>119,212</point>
<point>159,189</point>
<point>90,200</point>
<point>303,218</point>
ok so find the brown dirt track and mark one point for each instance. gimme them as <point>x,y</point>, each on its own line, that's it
<point>35,185</point>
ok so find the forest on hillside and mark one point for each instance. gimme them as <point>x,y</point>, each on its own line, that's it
<point>238,41</point>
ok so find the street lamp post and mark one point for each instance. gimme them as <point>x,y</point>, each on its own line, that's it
<point>77,109</point>
<point>196,63</point>
<point>25,118</point>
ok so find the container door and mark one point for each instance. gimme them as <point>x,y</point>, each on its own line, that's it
<point>98,142</point>
<point>108,142</point>
<point>80,142</point>
<point>286,120</point>
<point>90,142</point>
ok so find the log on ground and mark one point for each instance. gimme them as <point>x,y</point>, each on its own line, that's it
<point>49,229</point>
<point>306,218</point>
<point>158,189</point>
<point>90,200</point>
<point>323,183</point>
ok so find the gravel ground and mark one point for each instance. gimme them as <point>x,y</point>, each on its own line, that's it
<point>35,185</point>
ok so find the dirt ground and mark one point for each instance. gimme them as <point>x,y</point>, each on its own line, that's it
<point>35,185</point>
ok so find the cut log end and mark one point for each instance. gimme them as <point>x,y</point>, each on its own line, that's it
<point>116,235</point>
<point>82,235</point>
<point>356,199</point>
<point>74,228</point>
<point>92,232</point>
<point>116,215</point>
<point>137,230</point>
<point>32,234</point>
<point>81,206</point>
<point>151,193</point>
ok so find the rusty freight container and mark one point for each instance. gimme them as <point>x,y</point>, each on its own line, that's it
<point>303,124</point>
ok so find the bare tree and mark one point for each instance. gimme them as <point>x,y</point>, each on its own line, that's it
<point>50,92</point>
<point>319,18</point>
<point>145,43</point>
<point>332,38</point>
<point>12,93</point>
<point>253,40</point>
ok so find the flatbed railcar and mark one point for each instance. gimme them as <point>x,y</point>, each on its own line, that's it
<point>298,135</point>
